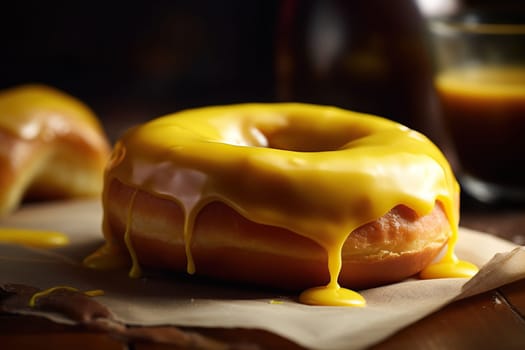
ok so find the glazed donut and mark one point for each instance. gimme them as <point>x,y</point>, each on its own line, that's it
<point>287,195</point>
<point>51,146</point>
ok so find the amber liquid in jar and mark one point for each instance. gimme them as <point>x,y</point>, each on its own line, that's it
<point>484,110</point>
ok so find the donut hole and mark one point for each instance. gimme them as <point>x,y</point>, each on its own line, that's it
<point>323,132</point>
<point>304,138</point>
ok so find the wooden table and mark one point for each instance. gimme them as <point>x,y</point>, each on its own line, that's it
<point>493,320</point>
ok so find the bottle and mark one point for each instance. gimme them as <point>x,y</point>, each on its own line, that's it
<point>367,56</point>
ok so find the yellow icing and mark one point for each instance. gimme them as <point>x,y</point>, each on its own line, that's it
<point>332,295</point>
<point>94,293</point>
<point>449,268</point>
<point>449,265</point>
<point>43,293</point>
<point>318,171</point>
<point>33,238</point>
<point>107,257</point>
<point>135,270</point>
<point>38,111</point>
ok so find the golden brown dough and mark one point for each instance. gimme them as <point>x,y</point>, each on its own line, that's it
<point>227,246</point>
<point>51,146</point>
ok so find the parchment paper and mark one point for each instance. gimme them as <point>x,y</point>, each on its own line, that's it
<point>188,301</point>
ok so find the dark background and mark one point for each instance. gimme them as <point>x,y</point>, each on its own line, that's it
<point>134,60</point>
<point>141,57</point>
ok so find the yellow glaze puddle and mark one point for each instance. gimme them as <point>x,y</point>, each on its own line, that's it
<point>33,238</point>
<point>46,292</point>
<point>332,296</point>
<point>319,171</point>
<point>107,257</point>
<point>448,269</point>
<point>449,266</point>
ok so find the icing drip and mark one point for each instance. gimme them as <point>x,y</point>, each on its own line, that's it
<point>135,271</point>
<point>332,293</point>
<point>33,238</point>
<point>450,265</point>
<point>44,293</point>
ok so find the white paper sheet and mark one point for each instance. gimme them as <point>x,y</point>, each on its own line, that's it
<point>186,301</point>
